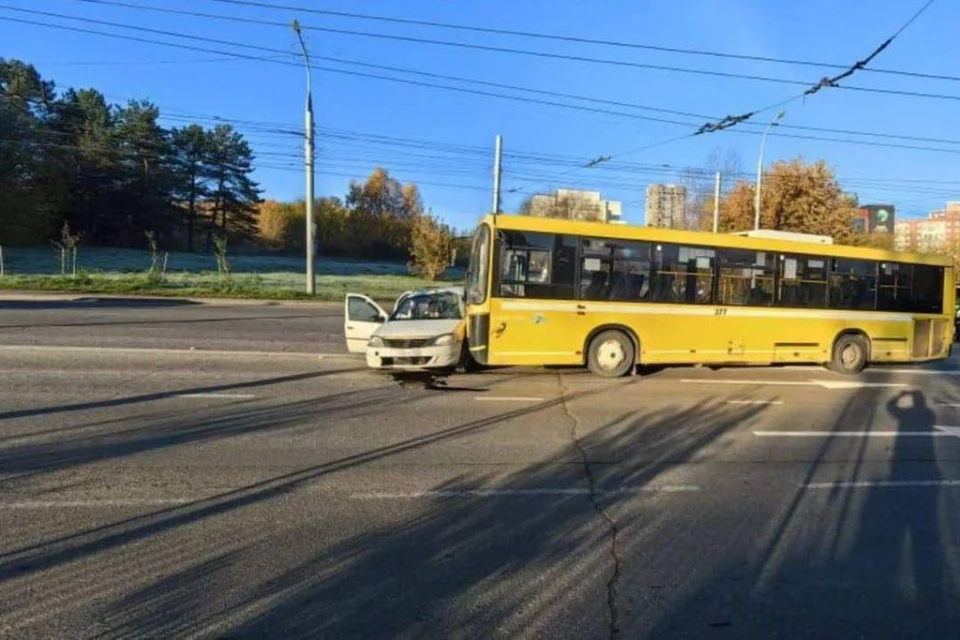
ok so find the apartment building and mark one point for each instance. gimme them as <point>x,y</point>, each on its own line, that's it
<point>941,228</point>
<point>666,205</point>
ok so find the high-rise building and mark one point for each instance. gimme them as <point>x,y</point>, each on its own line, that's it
<point>576,205</point>
<point>937,231</point>
<point>666,205</point>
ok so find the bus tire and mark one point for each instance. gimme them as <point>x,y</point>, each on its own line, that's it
<point>850,354</point>
<point>611,354</point>
<point>467,363</point>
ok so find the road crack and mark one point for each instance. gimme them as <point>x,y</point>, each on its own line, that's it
<point>613,528</point>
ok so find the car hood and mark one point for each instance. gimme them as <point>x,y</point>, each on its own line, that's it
<point>417,328</point>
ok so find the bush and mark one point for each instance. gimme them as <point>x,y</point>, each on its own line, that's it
<point>430,247</point>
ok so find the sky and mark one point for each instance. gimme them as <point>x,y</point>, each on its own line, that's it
<point>443,139</point>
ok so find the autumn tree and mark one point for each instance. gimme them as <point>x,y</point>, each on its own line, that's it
<point>796,196</point>
<point>431,244</point>
<point>381,211</point>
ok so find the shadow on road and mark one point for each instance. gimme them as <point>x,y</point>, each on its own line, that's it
<point>85,303</point>
<point>854,554</point>
<point>410,578</point>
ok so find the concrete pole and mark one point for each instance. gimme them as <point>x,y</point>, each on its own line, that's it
<point>716,202</point>
<point>763,141</point>
<point>497,164</point>
<point>311,287</point>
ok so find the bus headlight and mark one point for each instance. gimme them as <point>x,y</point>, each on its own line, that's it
<point>444,340</point>
<point>375,341</point>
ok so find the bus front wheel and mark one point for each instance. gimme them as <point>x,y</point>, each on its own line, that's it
<point>850,353</point>
<point>611,354</point>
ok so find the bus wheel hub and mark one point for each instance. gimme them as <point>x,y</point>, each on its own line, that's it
<point>611,354</point>
<point>849,355</point>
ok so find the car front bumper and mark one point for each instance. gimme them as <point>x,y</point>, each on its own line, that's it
<point>422,358</point>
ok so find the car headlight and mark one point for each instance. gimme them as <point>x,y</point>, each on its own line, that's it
<point>444,340</point>
<point>375,341</point>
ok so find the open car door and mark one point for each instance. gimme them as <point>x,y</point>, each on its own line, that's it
<point>361,317</point>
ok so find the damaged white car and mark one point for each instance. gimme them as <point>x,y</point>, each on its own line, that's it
<point>425,330</point>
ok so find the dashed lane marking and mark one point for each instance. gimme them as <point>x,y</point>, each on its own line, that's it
<point>881,484</point>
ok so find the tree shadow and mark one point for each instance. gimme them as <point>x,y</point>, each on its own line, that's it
<point>867,547</point>
<point>157,321</point>
<point>522,554</point>
<point>85,303</point>
<point>164,395</point>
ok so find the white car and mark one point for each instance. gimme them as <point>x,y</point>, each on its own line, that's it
<point>425,330</point>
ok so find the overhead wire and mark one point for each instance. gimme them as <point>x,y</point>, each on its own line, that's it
<point>509,50</point>
<point>562,38</point>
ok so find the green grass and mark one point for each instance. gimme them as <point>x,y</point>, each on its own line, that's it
<point>263,287</point>
<point>267,277</point>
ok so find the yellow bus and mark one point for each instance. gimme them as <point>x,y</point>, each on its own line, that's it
<point>545,291</point>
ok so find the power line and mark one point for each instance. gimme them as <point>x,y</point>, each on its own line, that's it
<point>496,49</point>
<point>312,66</point>
<point>730,121</point>
<point>564,38</point>
<point>498,85</point>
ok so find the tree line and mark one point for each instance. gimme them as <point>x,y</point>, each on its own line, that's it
<point>112,172</point>
<point>73,165</point>
<point>378,219</point>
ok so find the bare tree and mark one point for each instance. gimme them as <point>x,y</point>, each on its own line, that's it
<point>699,182</point>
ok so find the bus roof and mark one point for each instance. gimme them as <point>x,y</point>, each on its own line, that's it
<point>726,240</point>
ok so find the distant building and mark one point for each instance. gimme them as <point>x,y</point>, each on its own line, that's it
<point>666,205</point>
<point>576,205</point>
<point>938,230</point>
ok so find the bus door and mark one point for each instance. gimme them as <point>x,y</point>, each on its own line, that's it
<point>534,317</point>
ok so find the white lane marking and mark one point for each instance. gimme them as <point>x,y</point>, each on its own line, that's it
<point>215,395</point>
<point>86,504</point>
<point>826,384</point>
<point>794,383</point>
<point>941,431</point>
<point>854,384</point>
<point>507,399</point>
<point>178,352</point>
<point>926,372</point>
<point>754,402</point>
<point>506,493</point>
<point>881,483</point>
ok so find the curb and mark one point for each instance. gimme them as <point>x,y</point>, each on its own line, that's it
<point>28,296</point>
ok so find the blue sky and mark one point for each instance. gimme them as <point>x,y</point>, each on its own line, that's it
<point>447,136</point>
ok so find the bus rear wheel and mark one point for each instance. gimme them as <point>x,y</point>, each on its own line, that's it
<point>611,354</point>
<point>850,353</point>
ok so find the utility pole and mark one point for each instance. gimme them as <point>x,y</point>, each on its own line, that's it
<point>497,164</point>
<point>763,141</point>
<point>716,202</point>
<point>308,166</point>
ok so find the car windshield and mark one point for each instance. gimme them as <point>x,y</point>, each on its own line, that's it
<point>429,306</point>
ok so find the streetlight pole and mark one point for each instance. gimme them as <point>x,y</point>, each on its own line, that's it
<point>763,141</point>
<point>308,165</point>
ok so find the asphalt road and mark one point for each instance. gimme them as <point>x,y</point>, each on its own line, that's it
<point>228,495</point>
